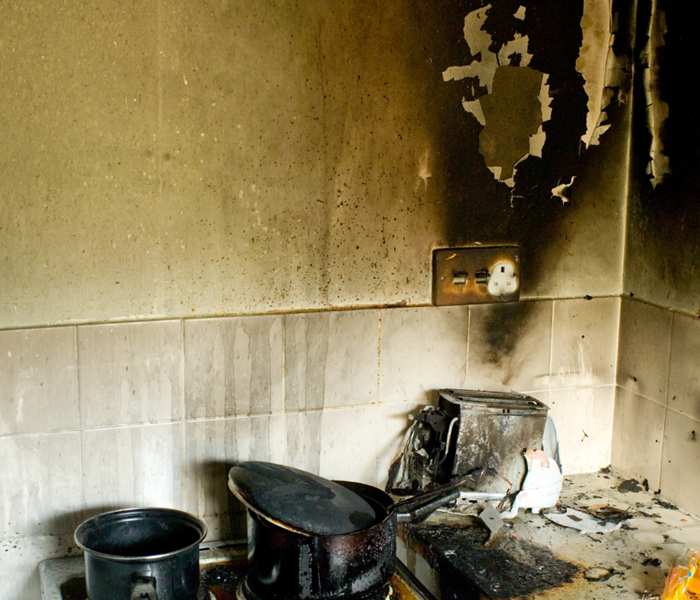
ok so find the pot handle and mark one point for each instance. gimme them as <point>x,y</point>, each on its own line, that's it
<point>143,587</point>
<point>420,511</point>
<point>421,506</point>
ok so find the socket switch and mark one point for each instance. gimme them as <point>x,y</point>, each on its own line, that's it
<point>480,274</point>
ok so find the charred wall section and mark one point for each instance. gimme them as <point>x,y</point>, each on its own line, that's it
<point>663,255</point>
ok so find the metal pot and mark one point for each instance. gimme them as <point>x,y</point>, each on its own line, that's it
<point>288,561</point>
<point>139,553</point>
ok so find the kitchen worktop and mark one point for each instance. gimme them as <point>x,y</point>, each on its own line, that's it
<point>448,555</point>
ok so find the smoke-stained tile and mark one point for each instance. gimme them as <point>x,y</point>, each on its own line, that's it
<point>233,366</point>
<point>348,444</point>
<point>39,389</point>
<point>684,377</point>
<point>331,359</point>
<point>19,563</point>
<point>212,447</point>
<point>637,439</point>
<point>130,373</point>
<point>422,350</point>
<point>140,465</point>
<point>336,444</point>
<point>302,439</point>
<point>40,484</point>
<point>584,347</point>
<point>644,349</point>
<point>509,346</point>
<point>681,462</point>
<point>584,421</point>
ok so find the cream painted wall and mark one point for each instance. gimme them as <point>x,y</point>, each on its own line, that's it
<point>165,159</point>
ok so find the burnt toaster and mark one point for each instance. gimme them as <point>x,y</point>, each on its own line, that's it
<point>489,429</point>
<point>470,430</point>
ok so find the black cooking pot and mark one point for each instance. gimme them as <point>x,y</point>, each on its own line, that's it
<point>313,539</point>
<point>139,553</point>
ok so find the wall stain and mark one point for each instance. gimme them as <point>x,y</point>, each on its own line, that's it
<point>663,256</point>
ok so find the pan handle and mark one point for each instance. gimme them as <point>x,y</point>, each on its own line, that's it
<point>421,506</point>
<point>143,587</point>
<point>420,512</point>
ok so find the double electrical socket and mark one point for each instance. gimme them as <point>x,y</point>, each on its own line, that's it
<point>476,275</point>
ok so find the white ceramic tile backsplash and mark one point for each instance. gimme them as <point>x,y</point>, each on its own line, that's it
<point>19,563</point>
<point>684,374</point>
<point>338,444</point>
<point>680,463</point>
<point>643,354</point>
<point>40,484</point>
<point>660,349</point>
<point>331,359</point>
<point>233,366</point>
<point>422,350</point>
<point>584,420</point>
<point>584,342</point>
<point>132,466</point>
<point>130,373</point>
<point>348,444</point>
<point>637,439</point>
<point>509,346</point>
<point>212,447</point>
<point>303,440</point>
<point>161,422</point>
<point>38,380</point>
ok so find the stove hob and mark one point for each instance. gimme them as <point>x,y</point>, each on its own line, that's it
<point>223,566</point>
<point>386,592</point>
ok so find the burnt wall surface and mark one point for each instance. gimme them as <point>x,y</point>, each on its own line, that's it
<point>166,160</point>
<point>526,210</point>
<point>663,255</point>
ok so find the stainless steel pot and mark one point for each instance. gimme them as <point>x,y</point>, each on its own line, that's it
<point>141,553</point>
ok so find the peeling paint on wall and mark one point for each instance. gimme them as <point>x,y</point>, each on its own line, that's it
<point>595,62</point>
<point>537,140</point>
<point>562,189</point>
<point>509,99</point>
<point>513,114</point>
<point>657,109</point>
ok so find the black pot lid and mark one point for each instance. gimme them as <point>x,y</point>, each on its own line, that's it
<point>299,501</point>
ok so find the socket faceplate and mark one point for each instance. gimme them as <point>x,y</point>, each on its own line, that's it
<point>460,275</point>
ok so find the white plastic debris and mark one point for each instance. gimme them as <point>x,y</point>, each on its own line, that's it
<point>541,487</point>
<point>583,522</point>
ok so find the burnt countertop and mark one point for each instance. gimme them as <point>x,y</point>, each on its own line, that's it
<point>533,557</point>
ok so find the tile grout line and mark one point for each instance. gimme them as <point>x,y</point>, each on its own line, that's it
<point>143,424</point>
<point>146,318</point>
<point>668,393</point>
<point>551,349</point>
<point>76,352</point>
<point>379,353</point>
<point>618,343</point>
<point>284,389</point>
<point>616,386</point>
<point>184,471</point>
<point>377,412</point>
<point>642,396</point>
<point>469,345</point>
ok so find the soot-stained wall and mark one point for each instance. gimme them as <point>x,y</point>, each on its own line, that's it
<point>165,160</point>
<point>663,256</point>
